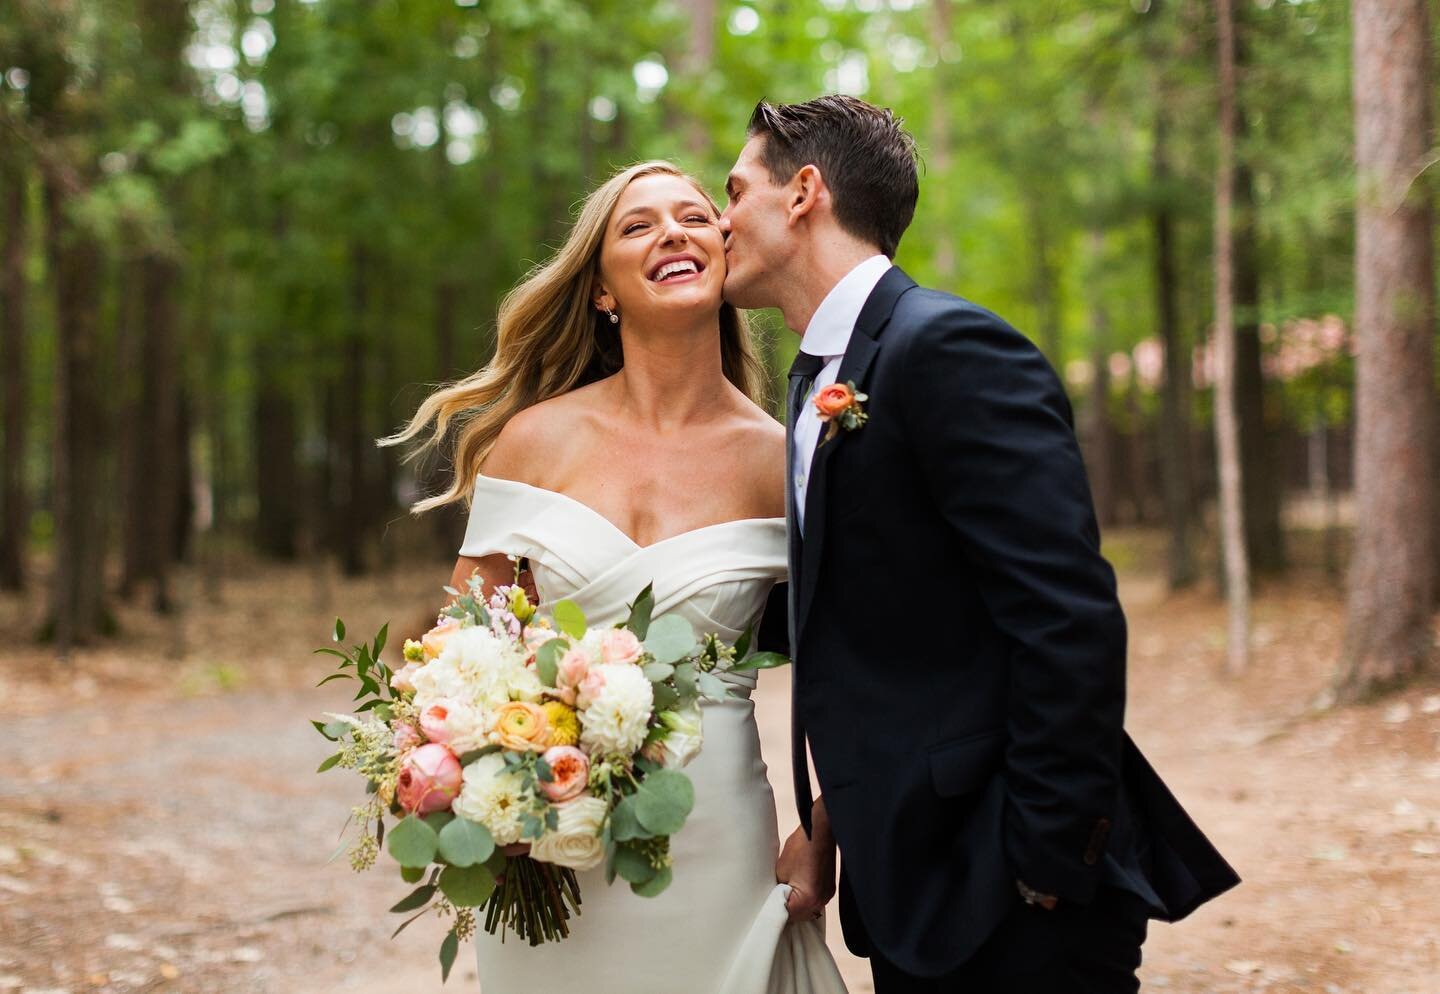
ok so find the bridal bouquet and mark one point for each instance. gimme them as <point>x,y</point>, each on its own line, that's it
<point>506,727</point>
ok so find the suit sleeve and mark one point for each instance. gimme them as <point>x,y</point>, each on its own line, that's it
<point>993,435</point>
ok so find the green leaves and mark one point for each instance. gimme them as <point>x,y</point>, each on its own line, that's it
<point>632,865</point>
<point>467,886</point>
<point>655,885</point>
<point>448,951</point>
<point>664,801</point>
<point>762,661</point>
<point>670,639</point>
<point>412,842</point>
<point>547,660</point>
<point>417,898</point>
<point>570,619</point>
<point>625,824</point>
<point>464,843</point>
<point>329,763</point>
<point>640,611</point>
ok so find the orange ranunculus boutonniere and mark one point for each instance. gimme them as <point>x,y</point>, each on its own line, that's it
<point>840,406</point>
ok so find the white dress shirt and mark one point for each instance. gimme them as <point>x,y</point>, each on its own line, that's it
<point>828,336</point>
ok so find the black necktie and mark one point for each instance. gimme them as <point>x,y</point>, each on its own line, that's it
<point>802,374</point>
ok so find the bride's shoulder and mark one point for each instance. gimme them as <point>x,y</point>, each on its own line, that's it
<point>549,426</point>
<point>759,442</point>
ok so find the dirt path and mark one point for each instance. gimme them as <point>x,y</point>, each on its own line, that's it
<point>160,832</point>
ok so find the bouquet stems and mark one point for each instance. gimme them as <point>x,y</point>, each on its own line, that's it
<point>535,900</point>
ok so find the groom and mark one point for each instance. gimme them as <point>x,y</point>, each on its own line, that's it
<point>959,649</point>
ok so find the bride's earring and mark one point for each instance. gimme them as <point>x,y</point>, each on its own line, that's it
<point>614,318</point>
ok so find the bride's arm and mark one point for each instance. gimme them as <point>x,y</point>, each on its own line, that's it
<point>496,571</point>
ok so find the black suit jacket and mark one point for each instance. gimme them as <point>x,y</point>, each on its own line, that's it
<point>960,650</point>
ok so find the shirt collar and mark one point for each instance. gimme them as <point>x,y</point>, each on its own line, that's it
<point>828,333</point>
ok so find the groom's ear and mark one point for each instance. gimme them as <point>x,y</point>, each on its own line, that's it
<point>806,189</point>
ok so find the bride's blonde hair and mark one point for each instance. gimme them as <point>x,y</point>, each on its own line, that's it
<point>550,339</point>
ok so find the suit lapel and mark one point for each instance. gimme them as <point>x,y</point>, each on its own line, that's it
<point>864,346</point>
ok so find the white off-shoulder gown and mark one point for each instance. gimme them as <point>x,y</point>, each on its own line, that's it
<point>720,928</point>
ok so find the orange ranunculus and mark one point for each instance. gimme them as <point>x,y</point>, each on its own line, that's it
<point>521,726</point>
<point>832,401</point>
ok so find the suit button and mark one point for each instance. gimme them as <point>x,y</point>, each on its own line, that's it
<point>1098,836</point>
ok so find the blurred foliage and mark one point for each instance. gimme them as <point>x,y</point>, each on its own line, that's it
<point>352,168</point>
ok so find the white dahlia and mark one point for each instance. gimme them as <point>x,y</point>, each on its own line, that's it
<point>618,711</point>
<point>474,667</point>
<point>493,798</point>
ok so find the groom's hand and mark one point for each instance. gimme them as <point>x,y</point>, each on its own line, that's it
<point>808,866</point>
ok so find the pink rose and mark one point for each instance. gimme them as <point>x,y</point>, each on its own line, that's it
<point>433,641</point>
<point>590,687</point>
<point>430,778</point>
<point>406,737</point>
<point>574,665</point>
<point>570,772</point>
<point>403,679</point>
<point>619,645</point>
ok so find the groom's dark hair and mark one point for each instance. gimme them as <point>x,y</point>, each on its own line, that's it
<point>868,160</point>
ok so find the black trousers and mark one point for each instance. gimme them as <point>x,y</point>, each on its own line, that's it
<point>1075,949</point>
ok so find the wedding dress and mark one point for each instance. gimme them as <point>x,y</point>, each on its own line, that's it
<point>721,926</point>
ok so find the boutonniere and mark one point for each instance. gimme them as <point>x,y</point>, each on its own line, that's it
<point>841,406</point>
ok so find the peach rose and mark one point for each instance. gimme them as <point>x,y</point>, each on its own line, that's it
<point>403,678</point>
<point>589,688</point>
<point>619,645</point>
<point>433,641</point>
<point>430,777</point>
<point>570,772</point>
<point>405,737</point>
<point>570,674</point>
<point>832,401</point>
<point>521,726</point>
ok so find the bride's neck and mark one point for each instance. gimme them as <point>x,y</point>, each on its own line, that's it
<point>671,378</point>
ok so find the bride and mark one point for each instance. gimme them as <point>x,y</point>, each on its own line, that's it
<point>614,440</point>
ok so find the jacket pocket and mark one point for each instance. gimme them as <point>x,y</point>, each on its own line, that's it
<point>963,765</point>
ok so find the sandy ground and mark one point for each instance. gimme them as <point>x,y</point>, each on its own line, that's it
<point>161,828</point>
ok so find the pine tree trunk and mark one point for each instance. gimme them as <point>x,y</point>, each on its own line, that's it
<point>1388,633</point>
<point>1232,511</point>
<point>160,406</point>
<point>1099,433</point>
<point>14,373</point>
<point>77,610</point>
<point>1175,389</point>
<point>277,519</point>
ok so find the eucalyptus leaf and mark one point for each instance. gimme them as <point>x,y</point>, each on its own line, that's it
<point>624,824</point>
<point>670,639</point>
<point>547,660</point>
<point>570,619</point>
<point>467,886</point>
<point>633,866</point>
<point>655,672</point>
<point>465,843</point>
<point>742,646</point>
<point>412,842</point>
<point>664,801</point>
<point>711,686</point>
<point>685,678</point>
<point>412,874</point>
<point>655,885</point>
<point>665,696</point>
<point>329,763</point>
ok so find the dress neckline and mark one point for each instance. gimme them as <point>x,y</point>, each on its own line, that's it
<point>622,533</point>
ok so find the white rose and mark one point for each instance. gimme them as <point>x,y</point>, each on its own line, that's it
<point>682,739</point>
<point>494,798</point>
<point>575,841</point>
<point>615,720</point>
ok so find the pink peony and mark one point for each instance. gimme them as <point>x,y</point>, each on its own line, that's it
<point>574,665</point>
<point>433,641</point>
<point>433,722</point>
<point>570,769</point>
<point>619,645</point>
<point>430,778</point>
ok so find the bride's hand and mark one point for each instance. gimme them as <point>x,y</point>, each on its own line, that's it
<point>808,866</point>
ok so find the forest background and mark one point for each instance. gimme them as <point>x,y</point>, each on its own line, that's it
<point>241,239</point>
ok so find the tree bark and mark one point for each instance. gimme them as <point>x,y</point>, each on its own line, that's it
<point>276,437</point>
<point>14,372</point>
<point>1175,388</point>
<point>1232,511</point>
<point>1388,634</point>
<point>77,610</point>
<point>1099,432</point>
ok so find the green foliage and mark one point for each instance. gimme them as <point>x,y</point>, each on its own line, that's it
<point>412,842</point>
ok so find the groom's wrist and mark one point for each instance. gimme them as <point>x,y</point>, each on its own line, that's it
<point>1032,896</point>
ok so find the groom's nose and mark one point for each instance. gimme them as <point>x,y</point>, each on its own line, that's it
<point>724,223</point>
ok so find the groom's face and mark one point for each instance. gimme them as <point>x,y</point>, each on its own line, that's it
<point>756,230</point>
